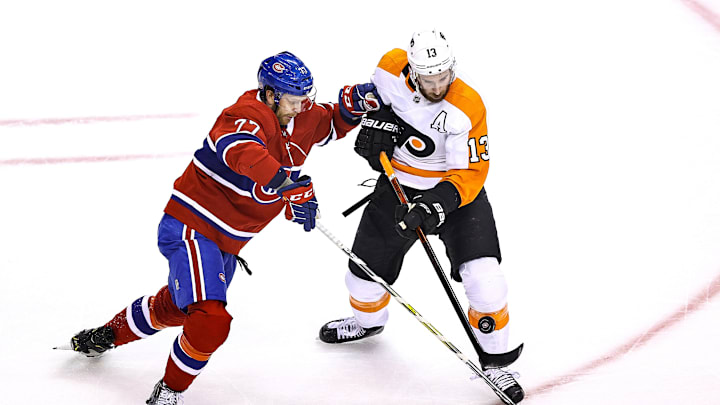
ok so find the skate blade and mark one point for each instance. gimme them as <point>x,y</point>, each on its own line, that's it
<point>65,346</point>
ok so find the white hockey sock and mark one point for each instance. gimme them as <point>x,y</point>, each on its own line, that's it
<point>495,341</point>
<point>486,289</point>
<point>368,301</point>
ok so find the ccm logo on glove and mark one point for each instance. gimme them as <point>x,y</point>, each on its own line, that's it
<point>300,203</point>
<point>301,196</point>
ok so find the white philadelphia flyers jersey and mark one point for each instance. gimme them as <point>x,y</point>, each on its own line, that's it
<point>450,138</point>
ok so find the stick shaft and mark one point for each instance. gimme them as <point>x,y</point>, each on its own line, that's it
<point>460,355</point>
<point>390,173</point>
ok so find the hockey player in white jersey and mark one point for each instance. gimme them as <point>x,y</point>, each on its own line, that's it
<point>434,129</point>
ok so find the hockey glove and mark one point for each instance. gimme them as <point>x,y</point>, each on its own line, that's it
<point>300,202</point>
<point>378,133</point>
<point>357,100</point>
<point>428,210</point>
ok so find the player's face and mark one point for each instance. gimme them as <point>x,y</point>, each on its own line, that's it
<point>290,106</point>
<point>435,87</point>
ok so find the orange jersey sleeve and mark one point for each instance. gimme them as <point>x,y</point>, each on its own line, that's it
<point>470,181</point>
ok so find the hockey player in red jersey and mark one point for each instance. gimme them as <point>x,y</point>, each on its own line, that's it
<point>434,129</point>
<point>246,172</point>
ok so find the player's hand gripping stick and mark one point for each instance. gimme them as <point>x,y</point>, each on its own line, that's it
<point>487,360</point>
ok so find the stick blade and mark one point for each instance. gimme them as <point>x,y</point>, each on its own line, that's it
<point>500,360</point>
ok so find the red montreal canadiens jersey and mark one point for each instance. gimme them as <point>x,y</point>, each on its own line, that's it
<point>221,194</point>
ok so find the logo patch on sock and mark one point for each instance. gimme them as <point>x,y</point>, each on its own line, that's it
<point>486,324</point>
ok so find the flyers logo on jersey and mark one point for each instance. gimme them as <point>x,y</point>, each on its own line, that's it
<point>419,144</point>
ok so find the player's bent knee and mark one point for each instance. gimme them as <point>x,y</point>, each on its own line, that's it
<point>363,290</point>
<point>208,325</point>
<point>485,284</point>
<point>163,310</point>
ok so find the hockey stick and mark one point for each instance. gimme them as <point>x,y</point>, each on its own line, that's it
<point>358,204</point>
<point>415,313</point>
<point>487,360</point>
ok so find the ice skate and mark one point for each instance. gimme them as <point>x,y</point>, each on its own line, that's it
<point>93,342</point>
<point>346,330</point>
<point>164,395</point>
<point>505,380</point>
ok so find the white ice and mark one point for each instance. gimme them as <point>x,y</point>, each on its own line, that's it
<point>604,123</point>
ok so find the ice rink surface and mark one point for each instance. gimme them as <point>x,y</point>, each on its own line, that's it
<point>604,121</point>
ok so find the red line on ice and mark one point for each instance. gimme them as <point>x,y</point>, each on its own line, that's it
<point>677,316</point>
<point>86,159</point>
<point>90,120</point>
<point>705,12</point>
<point>640,340</point>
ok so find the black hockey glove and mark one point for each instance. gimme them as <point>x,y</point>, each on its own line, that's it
<point>378,133</point>
<point>428,210</point>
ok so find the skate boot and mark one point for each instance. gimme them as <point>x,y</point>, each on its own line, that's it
<point>93,342</point>
<point>164,395</point>
<point>505,380</point>
<point>346,330</point>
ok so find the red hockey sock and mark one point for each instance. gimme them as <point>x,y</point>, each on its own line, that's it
<point>164,310</point>
<point>205,329</point>
<point>145,317</point>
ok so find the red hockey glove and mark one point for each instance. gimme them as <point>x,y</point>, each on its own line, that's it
<point>356,100</point>
<point>300,202</point>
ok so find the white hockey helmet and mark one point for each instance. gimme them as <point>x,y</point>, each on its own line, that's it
<point>429,54</point>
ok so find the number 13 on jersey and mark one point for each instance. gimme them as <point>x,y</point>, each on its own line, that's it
<point>475,145</point>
